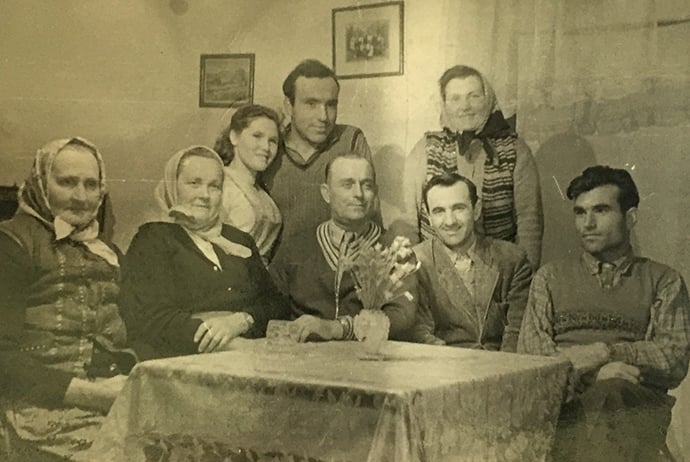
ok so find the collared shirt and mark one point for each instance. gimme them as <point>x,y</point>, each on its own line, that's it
<point>608,273</point>
<point>206,248</point>
<point>464,265</point>
<point>666,344</point>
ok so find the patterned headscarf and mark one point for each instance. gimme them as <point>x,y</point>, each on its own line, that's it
<point>166,196</point>
<point>33,198</point>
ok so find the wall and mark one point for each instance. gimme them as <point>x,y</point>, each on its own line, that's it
<point>125,74</point>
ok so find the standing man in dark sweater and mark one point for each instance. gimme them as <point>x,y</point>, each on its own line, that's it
<point>622,320</point>
<point>312,140</point>
<point>310,271</point>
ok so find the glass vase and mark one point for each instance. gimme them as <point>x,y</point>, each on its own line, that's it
<point>371,328</point>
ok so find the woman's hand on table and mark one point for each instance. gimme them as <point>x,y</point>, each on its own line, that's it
<point>215,332</point>
<point>96,394</point>
<point>325,329</point>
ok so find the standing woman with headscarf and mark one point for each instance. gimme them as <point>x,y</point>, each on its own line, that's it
<point>59,322</point>
<point>193,284</point>
<point>247,146</point>
<point>479,144</point>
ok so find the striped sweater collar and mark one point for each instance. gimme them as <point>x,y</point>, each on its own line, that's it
<point>336,243</point>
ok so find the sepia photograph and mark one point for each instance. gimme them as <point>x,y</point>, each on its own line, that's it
<point>344,231</point>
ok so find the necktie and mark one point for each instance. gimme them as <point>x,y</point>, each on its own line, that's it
<point>606,274</point>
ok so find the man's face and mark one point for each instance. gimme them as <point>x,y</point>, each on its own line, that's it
<point>74,185</point>
<point>315,109</point>
<point>452,215</point>
<point>465,105</point>
<point>603,228</point>
<point>350,191</point>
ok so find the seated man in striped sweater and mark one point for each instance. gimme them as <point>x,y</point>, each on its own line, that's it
<point>622,320</point>
<point>322,295</point>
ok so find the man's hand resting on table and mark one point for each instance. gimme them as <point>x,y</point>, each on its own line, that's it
<point>619,370</point>
<point>586,358</point>
<point>324,329</point>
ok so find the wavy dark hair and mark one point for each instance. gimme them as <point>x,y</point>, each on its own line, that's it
<point>310,69</point>
<point>602,175</point>
<point>241,120</point>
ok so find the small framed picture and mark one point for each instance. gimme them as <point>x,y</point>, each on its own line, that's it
<point>226,80</point>
<point>368,40</point>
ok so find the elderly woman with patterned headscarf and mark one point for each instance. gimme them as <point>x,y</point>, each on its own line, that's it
<point>478,143</point>
<point>192,284</point>
<point>60,326</point>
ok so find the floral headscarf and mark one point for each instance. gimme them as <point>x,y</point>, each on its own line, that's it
<point>166,196</point>
<point>33,198</point>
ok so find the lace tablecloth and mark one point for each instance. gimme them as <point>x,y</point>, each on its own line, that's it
<point>332,402</point>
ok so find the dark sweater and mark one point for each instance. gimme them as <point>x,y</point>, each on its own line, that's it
<point>302,273</point>
<point>166,279</point>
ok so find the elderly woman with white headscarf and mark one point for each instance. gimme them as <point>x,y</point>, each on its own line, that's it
<point>192,284</point>
<point>61,335</point>
<point>478,143</point>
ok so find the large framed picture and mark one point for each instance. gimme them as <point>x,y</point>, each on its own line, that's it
<point>368,40</point>
<point>226,80</point>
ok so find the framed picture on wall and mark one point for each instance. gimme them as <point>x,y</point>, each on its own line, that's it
<point>226,80</point>
<point>368,40</point>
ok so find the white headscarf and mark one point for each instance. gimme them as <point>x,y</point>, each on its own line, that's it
<point>33,198</point>
<point>166,195</point>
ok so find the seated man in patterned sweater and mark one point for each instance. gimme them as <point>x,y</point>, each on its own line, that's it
<point>622,320</point>
<point>310,272</point>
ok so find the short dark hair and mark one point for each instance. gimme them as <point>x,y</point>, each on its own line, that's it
<point>309,68</point>
<point>458,72</point>
<point>448,180</point>
<point>241,120</point>
<point>349,155</point>
<point>602,175</point>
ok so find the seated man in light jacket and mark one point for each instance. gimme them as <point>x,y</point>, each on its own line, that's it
<point>473,289</point>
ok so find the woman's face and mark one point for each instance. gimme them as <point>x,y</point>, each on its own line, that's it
<point>74,185</point>
<point>465,105</point>
<point>200,187</point>
<point>256,146</point>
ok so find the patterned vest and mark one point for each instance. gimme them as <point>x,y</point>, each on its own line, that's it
<point>498,205</point>
<point>72,297</point>
<point>586,313</point>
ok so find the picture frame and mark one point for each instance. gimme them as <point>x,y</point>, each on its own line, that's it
<point>368,40</point>
<point>226,80</point>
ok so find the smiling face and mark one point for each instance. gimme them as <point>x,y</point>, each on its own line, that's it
<point>315,109</point>
<point>256,145</point>
<point>452,214</point>
<point>603,227</point>
<point>465,105</point>
<point>350,191</point>
<point>74,185</point>
<point>200,187</point>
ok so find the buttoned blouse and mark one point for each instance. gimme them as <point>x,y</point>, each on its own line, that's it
<point>248,207</point>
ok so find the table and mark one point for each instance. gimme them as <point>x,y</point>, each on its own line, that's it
<point>331,401</point>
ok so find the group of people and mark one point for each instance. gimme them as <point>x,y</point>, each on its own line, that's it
<point>257,229</point>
